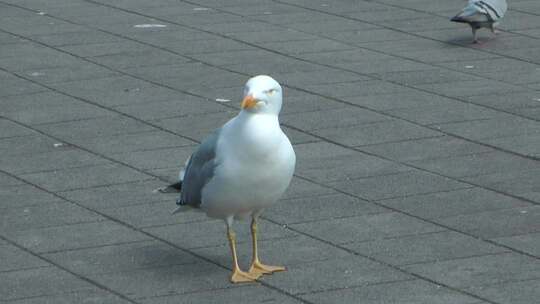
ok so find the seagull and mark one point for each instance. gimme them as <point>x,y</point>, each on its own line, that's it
<point>482,13</point>
<point>241,169</point>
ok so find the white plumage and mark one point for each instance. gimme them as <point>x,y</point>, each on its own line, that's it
<point>482,14</point>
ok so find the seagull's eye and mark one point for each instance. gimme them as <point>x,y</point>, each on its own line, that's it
<point>271,91</point>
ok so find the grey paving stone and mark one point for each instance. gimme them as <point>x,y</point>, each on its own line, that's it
<point>116,91</point>
<point>492,128</point>
<point>74,38</point>
<point>75,236</point>
<point>366,227</point>
<point>93,296</point>
<point>444,113</point>
<point>85,177</point>
<point>525,242</point>
<point>117,195</point>
<point>443,204</point>
<point>510,292</point>
<point>6,180</point>
<point>285,252</point>
<point>157,158</point>
<point>49,107</point>
<point>37,282</point>
<point>155,214</point>
<point>10,129</point>
<point>398,185</point>
<point>124,143</point>
<point>95,127</point>
<point>166,280</point>
<point>477,164</point>
<point>422,248</point>
<point>27,162</point>
<point>100,49</point>
<point>376,133</point>
<point>214,233</point>
<point>300,188</point>
<point>174,108</point>
<point>24,195</point>
<point>319,208</point>
<point>340,273</point>
<point>242,294</point>
<point>332,118</point>
<point>45,215</point>
<point>522,184</point>
<point>120,258</point>
<point>425,148</point>
<point>13,258</point>
<point>480,271</point>
<point>406,291</point>
<point>519,220</point>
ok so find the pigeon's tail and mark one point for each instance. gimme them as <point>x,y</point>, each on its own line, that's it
<point>172,188</point>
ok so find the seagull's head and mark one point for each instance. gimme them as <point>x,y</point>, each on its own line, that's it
<point>262,94</point>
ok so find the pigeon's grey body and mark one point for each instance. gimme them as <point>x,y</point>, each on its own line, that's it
<point>482,14</point>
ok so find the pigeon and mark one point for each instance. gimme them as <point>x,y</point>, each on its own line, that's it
<point>241,169</point>
<point>482,13</point>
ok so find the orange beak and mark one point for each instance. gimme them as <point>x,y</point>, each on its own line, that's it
<point>249,102</point>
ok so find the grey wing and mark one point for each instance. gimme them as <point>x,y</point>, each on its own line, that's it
<point>199,170</point>
<point>472,13</point>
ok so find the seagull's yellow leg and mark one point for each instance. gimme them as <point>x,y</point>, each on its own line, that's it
<point>238,276</point>
<point>257,268</point>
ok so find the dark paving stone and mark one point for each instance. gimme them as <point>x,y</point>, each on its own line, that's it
<point>397,185</point>
<point>37,282</point>
<point>155,214</point>
<point>80,296</point>
<point>480,271</point>
<point>477,164</point>
<point>425,148</point>
<point>439,246</point>
<point>468,201</point>
<point>61,159</point>
<point>510,292</point>
<point>45,215</point>
<point>85,177</point>
<point>319,208</point>
<point>338,273</point>
<point>214,233</point>
<point>24,195</point>
<point>407,291</point>
<point>286,252</point>
<point>376,133</point>
<point>525,242</point>
<point>517,220</point>
<point>13,258</point>
<point>366,227</point>
<point>241,294</point>
<point>120,258</point>
<point>522,183</point>
<point>75,236</point>
<point>165,280</point>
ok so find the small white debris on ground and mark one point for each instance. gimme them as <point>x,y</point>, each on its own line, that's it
<point>57,145</point>
<point>41,13</point>
<point>222,100</point>
<point>36,74</point>
<point>469,66</point>
<point>201,9</point>
<point>149,25</point>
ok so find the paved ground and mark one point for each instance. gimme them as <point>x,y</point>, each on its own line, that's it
<point>418,178</point>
